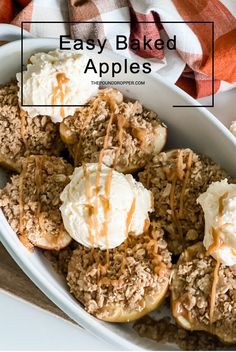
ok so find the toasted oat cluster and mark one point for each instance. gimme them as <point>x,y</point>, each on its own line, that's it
<point>135,276</point>
<point>133,133</point>
<point>176,179</point>
<point>192,289</point>
<point>31,201</point>
<point>20,135</point>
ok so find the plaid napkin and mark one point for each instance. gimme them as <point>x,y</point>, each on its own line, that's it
<point>190,66</point>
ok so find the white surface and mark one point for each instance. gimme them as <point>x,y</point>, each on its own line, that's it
<point>24,326</point>
<point>193,127</point>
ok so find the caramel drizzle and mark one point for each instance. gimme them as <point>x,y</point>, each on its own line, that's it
<point>189,165</point>
<point>213,290</point>
<point>129,216</point>
<point>173,177</point>
<point>179,174</point>
<point>121,121</point>
<point>108,180</point>
<point>152,248</point>
<point>173,213</point>
<point>105,202</point>
<point>107,183</point>
<point>59,91</point>
<point>141,134</point>
<point>217,241</point>
<point>216,244</point>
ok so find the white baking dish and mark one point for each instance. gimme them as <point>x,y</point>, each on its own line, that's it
<point>193,127</point>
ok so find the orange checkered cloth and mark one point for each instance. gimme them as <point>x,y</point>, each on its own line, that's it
<point>189,66</point>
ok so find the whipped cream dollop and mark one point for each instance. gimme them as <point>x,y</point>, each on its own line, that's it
<point>56,78</point>
<point>219,206</point>
<point>99,209</point>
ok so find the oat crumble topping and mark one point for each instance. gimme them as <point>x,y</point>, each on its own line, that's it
<point>159,176</point>
<point>31,201</point>
<point>20,135</point>
<point>192,284</point>
<point>141,266</point>
<point>138,267</point>
<point>84,133</point>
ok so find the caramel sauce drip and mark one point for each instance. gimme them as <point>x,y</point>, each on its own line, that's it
<point>104,200</point>
<point>105,145</point>
<point>189,164</point>
<point>107,181</point>
<point>217,241</point>
<point>141,134</point>
<point>146,225</point>
<point>157,260</point>
<point>213,290</point>
<point>129,216</point>
<point>85,123</point>
<point>22,235</point>
<point>93,106</point>
<point>121,122</point>
<point>58,91</point>
<point>173,176</point>
<point>216,244</point>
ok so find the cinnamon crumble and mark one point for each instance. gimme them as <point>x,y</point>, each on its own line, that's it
<point>21,135</point>
<point>31,201</point>
<point>176,179</point>
<point>137,273</point>
<point>142,132</point>
<point>192,287</point>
